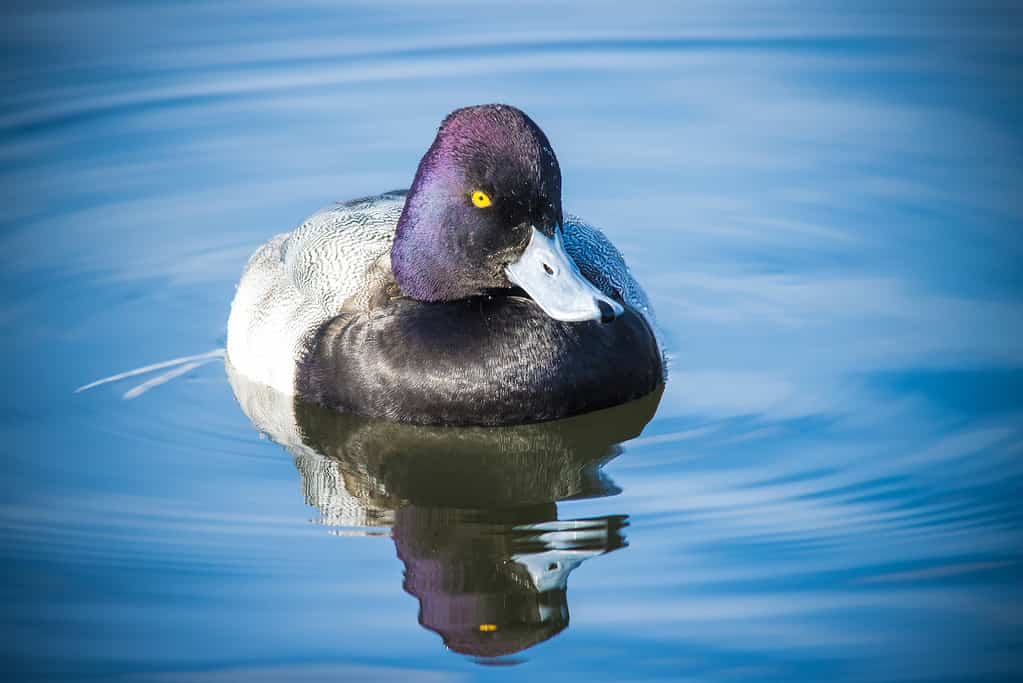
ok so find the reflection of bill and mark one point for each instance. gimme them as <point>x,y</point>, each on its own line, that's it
<point>472,510</point>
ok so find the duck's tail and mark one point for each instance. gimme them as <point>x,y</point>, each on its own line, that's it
<point>174,368</point>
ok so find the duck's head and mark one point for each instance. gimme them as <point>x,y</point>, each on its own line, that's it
<point>484,212</point>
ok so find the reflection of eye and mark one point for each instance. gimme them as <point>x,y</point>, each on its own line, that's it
<point>480,199</point>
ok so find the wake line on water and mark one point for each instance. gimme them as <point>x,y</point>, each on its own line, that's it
<point>179,366</point>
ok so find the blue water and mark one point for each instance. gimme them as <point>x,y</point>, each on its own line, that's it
<point>822,202</point>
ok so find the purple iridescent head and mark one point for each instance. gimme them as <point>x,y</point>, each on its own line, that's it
<point>484,212</point>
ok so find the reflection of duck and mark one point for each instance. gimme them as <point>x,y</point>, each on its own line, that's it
<point>468,299</point>
<point>472,510</point>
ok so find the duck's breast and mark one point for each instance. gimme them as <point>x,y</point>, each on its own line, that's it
<point>484,361</point>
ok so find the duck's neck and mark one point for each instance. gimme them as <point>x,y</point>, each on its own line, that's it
<point>417,268</point>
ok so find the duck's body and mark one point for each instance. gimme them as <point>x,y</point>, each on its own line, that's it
<point>299,280</point>
<point>334,312</point>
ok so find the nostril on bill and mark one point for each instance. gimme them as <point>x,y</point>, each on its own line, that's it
<point>607,313</point>
<point>547,269</point>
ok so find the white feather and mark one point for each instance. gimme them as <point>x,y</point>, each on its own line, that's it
<point>297,281</point>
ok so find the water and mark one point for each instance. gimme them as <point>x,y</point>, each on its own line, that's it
<point>823,205</point>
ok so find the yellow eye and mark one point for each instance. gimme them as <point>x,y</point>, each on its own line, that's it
<point>480,199</point>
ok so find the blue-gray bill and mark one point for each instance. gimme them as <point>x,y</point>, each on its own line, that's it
<point>549,275</point>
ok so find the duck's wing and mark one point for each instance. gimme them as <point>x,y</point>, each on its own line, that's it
<point>335,255</point>
<point>603,265</point>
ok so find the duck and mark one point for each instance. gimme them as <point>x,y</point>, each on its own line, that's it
<point>470,298</point>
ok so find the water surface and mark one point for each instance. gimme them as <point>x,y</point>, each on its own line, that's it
<point>823,206</point>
